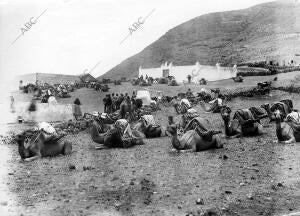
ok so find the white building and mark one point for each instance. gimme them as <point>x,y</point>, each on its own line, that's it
<point>197,71</point>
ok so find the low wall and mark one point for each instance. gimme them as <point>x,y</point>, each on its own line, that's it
<point>45,112</point>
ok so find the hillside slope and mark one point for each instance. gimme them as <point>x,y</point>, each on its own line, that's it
<point>265,30</point>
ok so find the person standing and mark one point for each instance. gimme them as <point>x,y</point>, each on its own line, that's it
<point>77,109</point>
<point>105,103</point>
<point>109,104</point>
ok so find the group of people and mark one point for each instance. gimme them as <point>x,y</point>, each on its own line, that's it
<point>44,91</point>
<point>112,102</point>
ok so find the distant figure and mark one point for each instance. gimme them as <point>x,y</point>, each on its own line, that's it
<point>77,109</point>
<point>133,94</point>
<point>32,109</point>
<point>189,77</point>
<point>21,85</point>
<point>109,104</point>
<point>12,104</point>
<point>189,93</point>
<point>104,103</point>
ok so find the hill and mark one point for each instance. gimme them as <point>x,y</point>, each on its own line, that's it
<point>265,31</point>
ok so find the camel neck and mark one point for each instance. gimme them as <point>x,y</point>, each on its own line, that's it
<point>227,127</point>
<point>267,108</point>
<point>175,141</point>
<point>279,130</point>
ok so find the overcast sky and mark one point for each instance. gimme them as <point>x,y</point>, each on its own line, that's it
<point>73,36</point>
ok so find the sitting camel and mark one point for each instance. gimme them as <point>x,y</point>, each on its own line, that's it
<point>120,135</point>
<point>38,147</point>
<point>287,131</point>
<point>196,138</point>
<point>243,123</point>
<point>284,106</point>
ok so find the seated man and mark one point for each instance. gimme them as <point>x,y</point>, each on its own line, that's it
<point>184,105</point>
<point>148,126</point>
<point>214,105</point>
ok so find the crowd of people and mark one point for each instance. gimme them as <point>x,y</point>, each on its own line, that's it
<point>112,102</point>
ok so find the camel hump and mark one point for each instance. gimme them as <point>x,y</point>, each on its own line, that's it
<point>243,115</point>
<point>199,122</point>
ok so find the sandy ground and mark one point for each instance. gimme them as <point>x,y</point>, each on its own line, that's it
<point>249,176</point>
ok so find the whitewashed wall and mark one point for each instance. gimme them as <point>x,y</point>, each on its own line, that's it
<point>45,112</point>
<point>197,71</point>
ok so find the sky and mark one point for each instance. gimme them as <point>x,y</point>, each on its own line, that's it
<point>76,36</point>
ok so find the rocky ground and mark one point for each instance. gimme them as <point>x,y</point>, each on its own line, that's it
<point>249,176</point>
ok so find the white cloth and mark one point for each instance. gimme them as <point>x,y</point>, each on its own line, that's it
<point>192,111</point>
<point>46,127</point>
<point>204,90</point>
<point>148,120</point>
<point>145,96</point>
<point>219,100</point>
<point>186,102</point>
<point>52,100</point>
<point>124,127</point>
<point>295,116</point>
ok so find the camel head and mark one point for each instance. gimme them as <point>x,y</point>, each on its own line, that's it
<point>266,106</point>
<point>172,129</point>
<point>225,113</point>
<point>24,153</point>
<point>278,115</point>
<point>271,115</point>
<point>170,120</point>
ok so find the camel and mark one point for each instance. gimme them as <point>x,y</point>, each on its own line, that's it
<point>112,137</point>
<point>285,107</point>
<point>38,147</point>
<point>287,131</point>
<point>243,123</point>
<point>196,138</point>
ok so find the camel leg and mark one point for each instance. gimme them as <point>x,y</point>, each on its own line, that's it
<point>185,151</point>
<point>259,129</point>
<point>99,147</point>
<point>32,158</point>
<point>234,136</point>
<point>291,140</point>
<point>218,142</point>
<point>67,148</point>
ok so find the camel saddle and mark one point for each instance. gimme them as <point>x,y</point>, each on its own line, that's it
<point>258,113</point>
<point>245,118</point>
<point>200,126</point>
